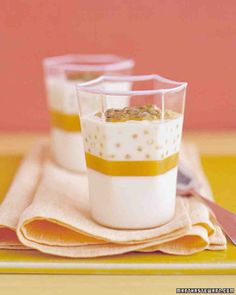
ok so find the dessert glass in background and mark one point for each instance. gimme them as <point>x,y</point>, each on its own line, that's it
<point>62,73</point>
<point>132,151</point>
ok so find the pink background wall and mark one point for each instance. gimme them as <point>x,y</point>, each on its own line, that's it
<point>192,40</point>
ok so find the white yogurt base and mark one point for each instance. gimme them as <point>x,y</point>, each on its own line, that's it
<point>67,148</point>
<point>132,202</point>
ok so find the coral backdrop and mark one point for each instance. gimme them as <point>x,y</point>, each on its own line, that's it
<point>192,40</point>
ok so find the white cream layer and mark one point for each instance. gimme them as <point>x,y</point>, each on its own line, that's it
<point>132,202</point>
<point>132,140</point>
<point>68,149</point>
<point>62,95</point>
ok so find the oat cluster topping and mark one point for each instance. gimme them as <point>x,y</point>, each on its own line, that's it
<point>136,113</point>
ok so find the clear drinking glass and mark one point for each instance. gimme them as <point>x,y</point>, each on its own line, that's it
<point>61,75</point>
<point>132,151</point>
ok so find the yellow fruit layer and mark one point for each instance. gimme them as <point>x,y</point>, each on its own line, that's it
<point>131,168</point>
<point>67,122</point>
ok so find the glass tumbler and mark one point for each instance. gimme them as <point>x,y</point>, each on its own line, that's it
<point>132,151</point>
<point>61,75</point>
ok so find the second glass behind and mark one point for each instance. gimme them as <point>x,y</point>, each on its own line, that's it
<point>61,75</point>
<point>132,141</point>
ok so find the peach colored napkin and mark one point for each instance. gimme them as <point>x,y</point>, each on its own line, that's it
<point>58,220</point>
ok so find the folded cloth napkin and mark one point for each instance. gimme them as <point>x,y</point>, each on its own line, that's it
<point>54,217</point>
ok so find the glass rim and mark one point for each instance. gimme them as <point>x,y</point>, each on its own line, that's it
<point>102,62</point>
<point>86,86</point>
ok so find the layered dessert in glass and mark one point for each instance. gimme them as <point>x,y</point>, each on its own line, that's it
<point>62,73</point>
<point>132,151</point>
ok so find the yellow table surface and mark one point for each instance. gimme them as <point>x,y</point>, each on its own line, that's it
<point>219,161</point>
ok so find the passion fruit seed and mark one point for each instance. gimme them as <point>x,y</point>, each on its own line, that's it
<point>136,113</point>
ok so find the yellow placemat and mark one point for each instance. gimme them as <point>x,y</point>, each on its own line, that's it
<point>222,176</point>
<point>8,166</point>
